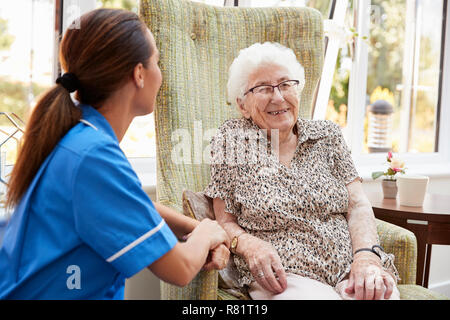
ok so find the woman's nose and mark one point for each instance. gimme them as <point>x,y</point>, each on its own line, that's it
<point>277,97</point>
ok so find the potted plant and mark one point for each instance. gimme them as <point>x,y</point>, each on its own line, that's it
<point>389,184</point>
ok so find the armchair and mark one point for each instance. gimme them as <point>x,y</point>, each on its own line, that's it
<point>197,44</point>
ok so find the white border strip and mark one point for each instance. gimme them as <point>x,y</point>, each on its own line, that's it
<point>88,124</point>
<point>136,242</point>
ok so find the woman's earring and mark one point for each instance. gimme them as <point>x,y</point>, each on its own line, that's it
<point>142,84</point>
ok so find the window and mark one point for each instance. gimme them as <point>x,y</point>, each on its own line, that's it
<point>402,61</point>
<point>390,50</point>
<point>139,140</point>
<point>26,69</point>
<point>404,68</point>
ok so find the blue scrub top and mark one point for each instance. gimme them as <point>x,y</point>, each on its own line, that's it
<point>84,224</point>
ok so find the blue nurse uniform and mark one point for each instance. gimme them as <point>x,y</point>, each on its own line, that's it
<point>84,224</point>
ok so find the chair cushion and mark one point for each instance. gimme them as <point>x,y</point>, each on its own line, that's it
<point>415,292</point>
<point>198,206</point>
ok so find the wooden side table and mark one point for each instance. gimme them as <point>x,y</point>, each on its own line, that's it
<point>430,224</point>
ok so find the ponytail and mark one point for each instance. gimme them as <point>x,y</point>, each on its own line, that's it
<point>54,115</point>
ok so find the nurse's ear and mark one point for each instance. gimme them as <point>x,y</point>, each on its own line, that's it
<point>138,75</point>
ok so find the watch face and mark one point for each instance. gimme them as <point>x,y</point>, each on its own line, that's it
<point>234,243</point>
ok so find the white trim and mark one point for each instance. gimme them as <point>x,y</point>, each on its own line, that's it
<point>332,28</point>
<point>136,242</point>
<point>444,121</point>
<point>73,9</point>
<point>358,78</point>
<point>88,124</point>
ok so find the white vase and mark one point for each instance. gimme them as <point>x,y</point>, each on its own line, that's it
<point>412,190</point>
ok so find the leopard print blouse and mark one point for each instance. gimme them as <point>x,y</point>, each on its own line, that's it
<point>301,209</point>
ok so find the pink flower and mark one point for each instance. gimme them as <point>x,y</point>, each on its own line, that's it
<point>396,164</point>
<point>389,155</point>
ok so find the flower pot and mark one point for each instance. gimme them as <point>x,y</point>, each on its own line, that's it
<point>412,190</point>
<point>389,188</point>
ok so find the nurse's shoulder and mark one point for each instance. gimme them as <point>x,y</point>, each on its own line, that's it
<point>84,138</point>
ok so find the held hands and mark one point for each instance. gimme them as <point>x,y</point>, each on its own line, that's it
<point>264,263</point>
<point>217,258</point>
<point>367,278</point>
<point>219,243</point>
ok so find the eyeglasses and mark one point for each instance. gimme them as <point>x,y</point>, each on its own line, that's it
<point>284,87</point>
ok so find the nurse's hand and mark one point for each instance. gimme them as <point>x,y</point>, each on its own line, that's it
<point>181,264</point>
<point>211,231</point>
<point>217,258</point>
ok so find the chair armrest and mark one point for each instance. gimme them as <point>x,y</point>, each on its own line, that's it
<point>403,244</point>
<point>203,287</point>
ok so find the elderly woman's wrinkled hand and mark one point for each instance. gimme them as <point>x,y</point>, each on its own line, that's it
<point>368,280</point>
<point>217,258</point>
<point>264,263</point>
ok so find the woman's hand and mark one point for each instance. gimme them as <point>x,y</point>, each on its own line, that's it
<point>264,263</point>
<point>212,232</point>
<point>368,280</point>
<point>217,258</point>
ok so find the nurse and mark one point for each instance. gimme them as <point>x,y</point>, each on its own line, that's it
<point>81,221</point>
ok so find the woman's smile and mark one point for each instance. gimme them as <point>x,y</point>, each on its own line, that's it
<point>277,113</point>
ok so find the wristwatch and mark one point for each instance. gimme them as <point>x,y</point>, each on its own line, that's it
<point>234,243</point>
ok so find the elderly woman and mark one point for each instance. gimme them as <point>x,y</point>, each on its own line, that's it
<point>287,192</point>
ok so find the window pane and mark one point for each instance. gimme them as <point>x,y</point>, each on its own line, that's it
<point>338,102</point>
<point>26,62</point>
<point>139,140</point>
<point>403,71</point>
<point>428,37</point>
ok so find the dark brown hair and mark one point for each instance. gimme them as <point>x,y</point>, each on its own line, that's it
<point>102,54</point>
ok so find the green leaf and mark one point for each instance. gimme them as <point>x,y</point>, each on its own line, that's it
<point>377,174</point>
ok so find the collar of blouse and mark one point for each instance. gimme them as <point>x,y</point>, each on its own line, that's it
<point>307,129</point>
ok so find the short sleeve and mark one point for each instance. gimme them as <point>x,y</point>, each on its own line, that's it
<point>114,216</point>
<point>343,166</point>
<point>223,174</point>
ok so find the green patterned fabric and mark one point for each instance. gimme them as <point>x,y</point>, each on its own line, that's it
<point>402,243</point>
<point>414,292</point>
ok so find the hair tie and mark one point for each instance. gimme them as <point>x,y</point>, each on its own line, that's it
<point>69,81</point>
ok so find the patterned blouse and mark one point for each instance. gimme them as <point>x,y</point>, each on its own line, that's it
<point>301,209</point>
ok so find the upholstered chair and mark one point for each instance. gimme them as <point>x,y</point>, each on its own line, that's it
<point>197,44</point>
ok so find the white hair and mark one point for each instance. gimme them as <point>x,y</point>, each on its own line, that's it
<point>251,58</point>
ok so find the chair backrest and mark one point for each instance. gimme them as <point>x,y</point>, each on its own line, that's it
<point>197,44</point>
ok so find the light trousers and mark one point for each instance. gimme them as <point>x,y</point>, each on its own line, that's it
<point>302,288</point>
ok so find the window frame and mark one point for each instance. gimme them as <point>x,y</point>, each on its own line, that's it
<point>434,164</point>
